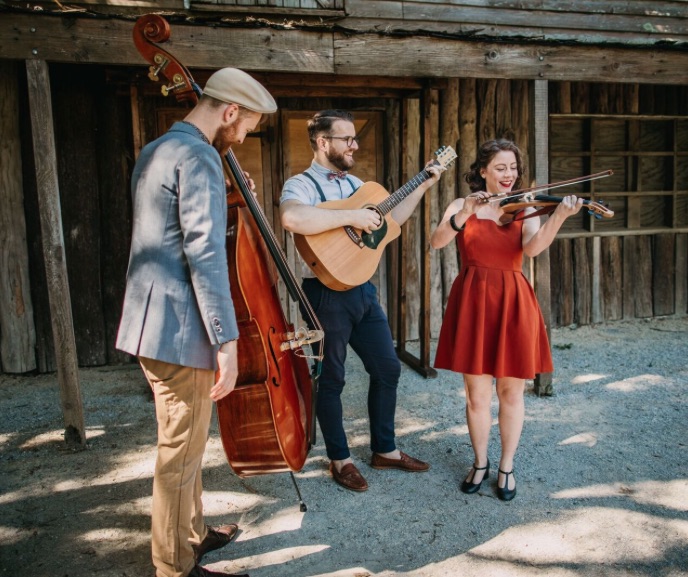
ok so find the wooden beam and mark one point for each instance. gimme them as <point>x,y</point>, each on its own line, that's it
<point>424,56</point>
<point>54,251</point>
<point>109,41</point>
<point>539,152</point>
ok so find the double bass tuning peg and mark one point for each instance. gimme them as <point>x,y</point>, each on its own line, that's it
<point>160,63</point>
<point>177,83</point>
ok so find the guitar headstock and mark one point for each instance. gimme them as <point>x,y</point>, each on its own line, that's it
<point>445,155</point>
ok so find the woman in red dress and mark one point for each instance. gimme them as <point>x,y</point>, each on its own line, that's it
<point>493,327</point>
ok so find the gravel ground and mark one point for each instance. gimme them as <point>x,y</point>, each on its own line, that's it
<point>601,472</point>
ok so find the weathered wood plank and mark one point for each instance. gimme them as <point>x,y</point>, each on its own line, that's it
<point>539,129</point>
<point>489,32</point>
<point>468,131</point>
<point>17,332</point>
<point>562,282</point>
<point>643,278</point>
<point>584,24</point>
<point>114,169</point>
<point>612,278</point>
<point>486,110</point>
<point>385,9</point>
<point>582,282</point>
<point>422,56</point>
<point>109,41</point>
<point>53,246</point>
<point>453,111</point>
<point>431,116</point>
<point>410,263</point>
<point>521,113</point>
<point>681,306</point>
<point>447,191</point>
<point>629,271</point>
<point>393,133</point>
<point>663,273</point>
<point>658,9</point>
<point>76,129</point>
<point>45,342</point>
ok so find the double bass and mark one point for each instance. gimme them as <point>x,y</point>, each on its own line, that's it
<point>267,424</point>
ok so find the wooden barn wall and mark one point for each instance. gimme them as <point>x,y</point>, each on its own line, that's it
<point>639,275</point>
<point>93,136</point>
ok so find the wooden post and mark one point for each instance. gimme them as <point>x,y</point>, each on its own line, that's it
<point>53,249</point>
<point>18,335</point>
<point>540,153</point>
<point>448,264</point>
<point>417,137</point>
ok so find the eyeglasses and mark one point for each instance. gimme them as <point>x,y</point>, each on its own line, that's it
<point>348,139</point>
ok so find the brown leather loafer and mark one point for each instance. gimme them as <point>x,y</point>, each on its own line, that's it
<point>349,477</point>
<point>199,571</point>
<point>406,463</point>
<point>216,538</point>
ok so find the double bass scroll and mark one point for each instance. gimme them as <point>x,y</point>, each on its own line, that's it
<point>267,424</point>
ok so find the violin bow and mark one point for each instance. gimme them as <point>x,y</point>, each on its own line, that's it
<point>525,191</point>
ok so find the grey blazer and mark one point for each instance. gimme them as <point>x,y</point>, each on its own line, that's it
<point>177,304</point>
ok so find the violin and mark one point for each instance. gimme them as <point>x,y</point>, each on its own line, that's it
<point>545,205</point>
<point>515,203</point>
<point>267,424</point>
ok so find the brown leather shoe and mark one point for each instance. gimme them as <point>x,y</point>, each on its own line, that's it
<point>406,463</point>
<point>216,538</point>
<point>349,477</point>
<point>199,571</point>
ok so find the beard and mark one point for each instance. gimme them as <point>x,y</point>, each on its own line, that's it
<point>224,139</point>
<point>339,161</point>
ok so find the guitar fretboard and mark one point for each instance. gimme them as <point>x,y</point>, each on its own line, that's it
<point>398,195</point>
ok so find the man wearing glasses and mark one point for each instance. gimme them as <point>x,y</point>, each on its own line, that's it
<point>352,317</point>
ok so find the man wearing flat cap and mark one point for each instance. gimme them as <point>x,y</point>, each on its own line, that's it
<point>178,317</point>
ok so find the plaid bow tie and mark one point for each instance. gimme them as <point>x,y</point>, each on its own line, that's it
<point>337,174</point>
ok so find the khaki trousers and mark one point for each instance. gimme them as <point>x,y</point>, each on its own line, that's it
<point>183,408</point>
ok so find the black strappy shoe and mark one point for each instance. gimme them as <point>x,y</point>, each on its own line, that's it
<point>504,493</point>
<point>470,487</point>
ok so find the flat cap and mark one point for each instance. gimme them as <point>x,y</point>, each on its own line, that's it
<point>235,86</point>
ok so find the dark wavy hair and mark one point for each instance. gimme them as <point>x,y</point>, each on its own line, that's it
<point>487,151</point>
<point>321,123</point>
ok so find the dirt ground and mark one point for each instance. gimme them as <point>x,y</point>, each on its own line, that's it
<point>601,472</point>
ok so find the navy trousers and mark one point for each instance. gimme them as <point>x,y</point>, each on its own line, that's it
<point>355,318</point>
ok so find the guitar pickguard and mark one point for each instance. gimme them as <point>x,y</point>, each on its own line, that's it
<point>374,239</point>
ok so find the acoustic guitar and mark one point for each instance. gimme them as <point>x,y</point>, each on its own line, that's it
<point>345,257</point>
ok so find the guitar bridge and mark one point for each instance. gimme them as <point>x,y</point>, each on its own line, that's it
<point>353,235</point>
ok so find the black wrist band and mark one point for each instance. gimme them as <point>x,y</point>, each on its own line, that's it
<point>452,223</point>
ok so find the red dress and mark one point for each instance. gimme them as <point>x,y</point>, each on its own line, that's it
<point>493,324</point>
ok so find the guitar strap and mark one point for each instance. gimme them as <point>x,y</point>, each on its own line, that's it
<point>320,190</point>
